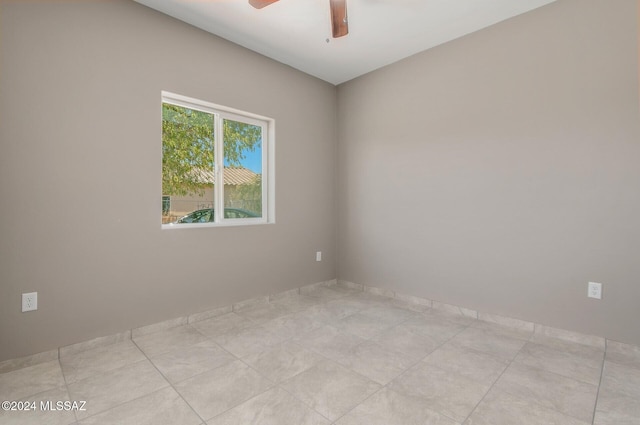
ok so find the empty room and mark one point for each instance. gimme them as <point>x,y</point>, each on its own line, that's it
<point>314,212</point>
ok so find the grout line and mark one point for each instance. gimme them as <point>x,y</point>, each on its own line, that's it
<point>124,402</point>
<point>168,382</point>
<point>66,385</point>
<point>488,391</point>
<point>103,373</point>
<point>278,385</point>
<point>513,360</point>
<point>510,362</point>
<point>363,401</point>
<point>275,384</point>
<point>595,405</point>
<point>411,366</point>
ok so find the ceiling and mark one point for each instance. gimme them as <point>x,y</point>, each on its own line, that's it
<point>298,32</point>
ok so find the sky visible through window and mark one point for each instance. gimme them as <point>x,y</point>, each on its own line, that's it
<point>252,160</point>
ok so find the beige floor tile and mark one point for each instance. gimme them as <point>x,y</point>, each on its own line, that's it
<point>260,313</point>
<point>219,325</point>
<point>488,341</point>
<point>370,322</point>
<point>502,408</point>
<point>568,336</point>
<point>283,361</point>
<point>41,410</point>
<point>617,409</point>
<point>209,314</point>
<point>163,407</point>
<point>376,362</point>
<point>98,360</point>
<point>390,314</point>
<point>516,331</point>
<point>614,418</point>
<point>456,317</point>
<point>387,407</point>
<point>476,365</point>
<point>330,389</point>
<point>295,303</point>
<point>166,341</point>
<point>456,310</point>
<point>334,311</point>
<point>320,314</point>
<point>368,299</point>
<point>109,389</point>
<point>358,301</point>
<point>158,327</point>
<point>382,292</point>
<point>292,326</point>
<point>22,362</point>
<point>18,384</point>
<point>565,344</point>
<point>328,293</point>
<point>549,390</point>
<point>184,363</point>
<point>216,391</point>
<point>623,354</point>
<point>622,379</point>
<point>435,326</point>
<point>329,342</point>
<point>408,305</point>
<point>619,396</point>
<point>573,361</point>
<point>103,341</point>
<point>403,340</point>
<point>248,341</point>
<point>447,393</point>
<point>274,407</point>
<point>363,325</point>
<point>412,302</point>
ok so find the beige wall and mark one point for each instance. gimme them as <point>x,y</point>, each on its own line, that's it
<point>501,171</point>
<point>80,110</point>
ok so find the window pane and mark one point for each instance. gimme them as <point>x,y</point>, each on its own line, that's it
<point>187,165</point>
<point>242,170</point>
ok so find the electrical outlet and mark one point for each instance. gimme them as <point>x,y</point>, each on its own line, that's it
<point>319,256</point>
<point>29,301</point>
<point>595,290</point>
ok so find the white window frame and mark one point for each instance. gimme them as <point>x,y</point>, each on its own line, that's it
<point>221,113</point>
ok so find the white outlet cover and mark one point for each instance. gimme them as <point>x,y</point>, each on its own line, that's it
<point>319,256</point>
<point>595,290</point>
<point>29,301</point>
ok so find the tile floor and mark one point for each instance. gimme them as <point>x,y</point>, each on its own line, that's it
<point>335,356</point>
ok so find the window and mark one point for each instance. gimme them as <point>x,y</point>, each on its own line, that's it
<point>217,165</point>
